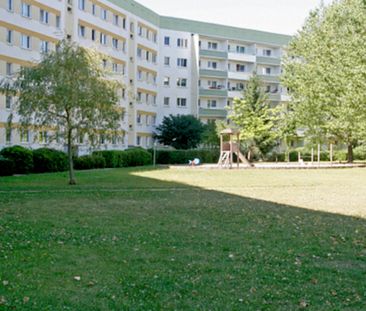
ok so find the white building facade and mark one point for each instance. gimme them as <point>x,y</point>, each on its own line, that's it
<point>169,66</point>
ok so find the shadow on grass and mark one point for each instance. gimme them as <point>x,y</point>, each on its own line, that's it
<point>144,244</point>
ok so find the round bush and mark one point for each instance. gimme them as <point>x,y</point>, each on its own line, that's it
<point>89,162</point>
<point>49,160</point>
<point>22,158</point>
<point>6,167</point>
<point>137,157</point>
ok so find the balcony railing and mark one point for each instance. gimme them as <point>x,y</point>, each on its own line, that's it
<point>266,60</point>
<point>213,73</point>
<point>212,113</point>
<point>213,92</point>
<point>214,54</point>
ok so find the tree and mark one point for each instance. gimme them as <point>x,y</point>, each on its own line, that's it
<point>325,71</point>
<point>255,118</point>
<point>68,92</point>
<point>210,138</point>
<point>180,132</point>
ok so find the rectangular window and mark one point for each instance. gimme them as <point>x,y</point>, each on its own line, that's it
<point>43,16</point>
<point>138,118</point>
<point>182,43</point>
<point>166,101</point>
<point>268,71</point>
<point>139,30</point>
<point>9,36</point>
<point>103,14</point>
<point>115,43</point>
<point>26,10</point>
<point>167,61</point>
<point>182,82</point>
<point>211,103</point>
<point>8,102</point>
<point>139,97</point>
<point>25,41</point>
<point>138,140</point>
<point>267,53</point>
<point>167,41</point>
<point>212,46</point>
<point>82,5</point>
<point>24,136</point>
<point>139,52</point>
<point>10,5</point>
<point>43,137</point>
<point>115,67</point>
<point>9,69</point>
<point>103,39</point>
<point>58,21</point>
<point>124,23</point>
<point>240,49</point>
<point>182,62</point>
<point>94,9</point>
<point>181,102</point>
<point>8,136</point>
<point>44,46</point>
<point>240,68</point>
<point>93,34</point>
<point>212,65</point>
<point>166,81</point>
<point>81,31</point>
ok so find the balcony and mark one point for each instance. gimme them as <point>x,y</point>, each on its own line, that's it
<point>235,93</point>
<point>265,60</point>
<point>270,78</point>
<point>213,92</point>
<point>213,54</point>
<point>240,75</point>
<point>213,73</point>
<point>248,58</point>
<point>212,113</point>
<point>275,97</point>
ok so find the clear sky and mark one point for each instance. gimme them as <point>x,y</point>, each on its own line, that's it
<point>282,16</point>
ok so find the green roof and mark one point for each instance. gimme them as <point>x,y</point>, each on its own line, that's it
<point>202,28</point>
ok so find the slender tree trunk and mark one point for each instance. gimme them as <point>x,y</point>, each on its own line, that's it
<point>350,153</point>
<point>72,180</point>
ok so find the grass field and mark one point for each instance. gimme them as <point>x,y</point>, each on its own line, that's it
<point>184,239</point>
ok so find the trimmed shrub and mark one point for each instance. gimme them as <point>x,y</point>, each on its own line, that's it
<point>89,162</point>
<point>183,156</point>
<point>49,160</point>
<point>21,157</point>
<point>113,158</point>
<point>7,167</point>
<point>136,157</point>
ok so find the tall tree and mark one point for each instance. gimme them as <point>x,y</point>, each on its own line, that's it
<point>70,93</point>
<point>180,132</point>
<point>325,71</point>
<point>255,118</point>
<point>210,138</point>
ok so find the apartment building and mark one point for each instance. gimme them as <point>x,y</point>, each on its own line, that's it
<point>168,65</point>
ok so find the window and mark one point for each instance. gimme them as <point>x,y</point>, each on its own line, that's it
<point>44,46</point>
<point>166,101</point>
<point>24,136</point>
<point>139,52</point>
<point>268,71</point>
<point>81,31</point>
<point>154,100</point>
<point>115,67</point>
<point>124,23</point>
<point>25,42</point>
<point>82,5</point>
<point>43,137</point>
<point>9,69</point>
<point>138,140</point>
<point>182,43</point>
<point>116,19</point>
<point>267,52</point>
<point>166,81</point>
<point>9,37</point>
<point>8,102</point>
<point>93,34</point>
<point>8,136</point>
<point>103,38</point>
<point>211,103</point>
<point>139,30</point>
<point>138,118</point>
<point>182,82</point>
<point>43,16</point>
<point>139,97</point>
<point>240,49</point>
<point>58,21</point>
<point>181,102</point>
<point>103,14</point>
<point>115,43</point>
<point>182,62</point>
<point>104,63</point>
<point>212,65</point>
<point>240,68</point>
<point>167,61</point>
<point>154,58</point>
<point>26,10</point>
<point>212,46</point>
<point>94,9</point>
<point>167,41</point>
<point>10,5</point>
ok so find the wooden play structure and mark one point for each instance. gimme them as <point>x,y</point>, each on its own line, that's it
<point>230,145</point>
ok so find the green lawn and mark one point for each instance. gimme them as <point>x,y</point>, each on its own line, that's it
<point>184,239</point>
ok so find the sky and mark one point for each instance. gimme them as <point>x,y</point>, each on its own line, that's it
<point>280,16</point>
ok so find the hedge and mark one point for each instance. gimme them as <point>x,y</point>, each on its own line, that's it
<point>183,156</point>
<point>89,162</point>
<point>21,157</point>
<point>49,160</point>
<point>127,158</point>
<point>7,166</point>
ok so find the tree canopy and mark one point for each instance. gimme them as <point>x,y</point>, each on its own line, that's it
<point>180,132</point>
<point>255,118</point>
<point>68,92</point>
<point>325,71</point>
